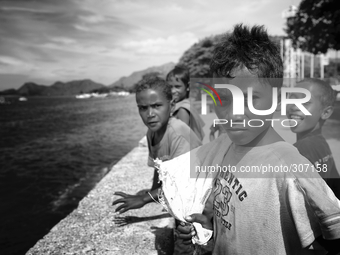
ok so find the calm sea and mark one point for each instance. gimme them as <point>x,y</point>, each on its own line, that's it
<point>52,153</point>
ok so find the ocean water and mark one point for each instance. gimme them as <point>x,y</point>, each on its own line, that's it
<point>53,151</point>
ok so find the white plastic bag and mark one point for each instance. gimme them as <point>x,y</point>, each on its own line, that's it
<point>182,194</point>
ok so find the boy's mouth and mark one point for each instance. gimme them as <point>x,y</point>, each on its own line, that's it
<point>153,123</point>
<point>295,117</point>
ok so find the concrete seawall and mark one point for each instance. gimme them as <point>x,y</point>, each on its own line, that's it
<point>94,228</point>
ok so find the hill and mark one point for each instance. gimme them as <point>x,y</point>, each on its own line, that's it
<point>57,89</point>
<point>72,88</point>
<point>129,81</point>
<point>85,86</point>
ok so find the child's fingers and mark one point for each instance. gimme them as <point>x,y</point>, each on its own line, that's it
<point>188,242</point>
<point>119,193</point>
<point>184,229</point>
<point>121,209</point>
<point>121,200</point>
<point>200,218</point>
<point>185,236</point>
<point>186,233</point>
<point>124,210</point>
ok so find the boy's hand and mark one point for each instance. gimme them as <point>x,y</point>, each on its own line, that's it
<point>187,232</point>
<point>200,218</point>
<point>128,202</point>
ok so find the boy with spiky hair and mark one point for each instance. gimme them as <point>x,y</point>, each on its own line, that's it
<point>310,141</point>
<point>270,212</point>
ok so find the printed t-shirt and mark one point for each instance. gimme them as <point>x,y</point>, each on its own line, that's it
<point>280,214</point>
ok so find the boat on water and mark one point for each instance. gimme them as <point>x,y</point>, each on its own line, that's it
<point>102,95</point>
<point>89,95</point>
<point>83,96</point>
<point>22,99</point>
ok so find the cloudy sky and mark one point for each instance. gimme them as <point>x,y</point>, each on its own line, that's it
<point>44,41</point>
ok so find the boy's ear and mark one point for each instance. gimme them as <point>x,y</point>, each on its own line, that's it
<point>327,112</point>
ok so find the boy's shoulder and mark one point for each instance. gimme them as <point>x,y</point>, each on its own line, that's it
<point>185,103</point>
<point>178,129</point>
<point>283,152</point>
<point>312,140</point>
<point>177,126</point>
<point>313,144</point>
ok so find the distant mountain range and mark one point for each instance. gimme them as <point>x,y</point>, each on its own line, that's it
<point>84,86</point>
<point>128,82</point>
<point>56,89</point>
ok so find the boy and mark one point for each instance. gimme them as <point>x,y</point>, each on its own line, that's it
<point>278,213</point>
<point>167,138</point>
<point>179,81</point>
<point>310,141</point>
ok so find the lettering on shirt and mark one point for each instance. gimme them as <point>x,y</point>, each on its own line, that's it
<point>226,186</point>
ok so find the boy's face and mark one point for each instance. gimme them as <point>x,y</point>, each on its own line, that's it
<point>244,134</point>
<point>306,123</point>
<point>154,109</point>
<point>178,89</point>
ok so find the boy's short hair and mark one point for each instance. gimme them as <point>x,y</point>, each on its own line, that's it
<point>182,72</point>
<point>328,95</point>
<point>250,48</point>
<point>156,83</point>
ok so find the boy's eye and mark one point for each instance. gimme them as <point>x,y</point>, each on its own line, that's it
<point>156,106</point>
<point>142,108</point>
<point>254,98</point>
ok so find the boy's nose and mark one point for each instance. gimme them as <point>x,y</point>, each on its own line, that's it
<point>151,112</point>
<point>237,118</point>
<point>291,108</point>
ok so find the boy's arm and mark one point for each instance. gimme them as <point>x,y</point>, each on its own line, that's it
<point>129,202</point>
<point>314,209</point>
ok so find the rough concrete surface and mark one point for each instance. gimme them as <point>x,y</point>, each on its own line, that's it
<point>93,228</point>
